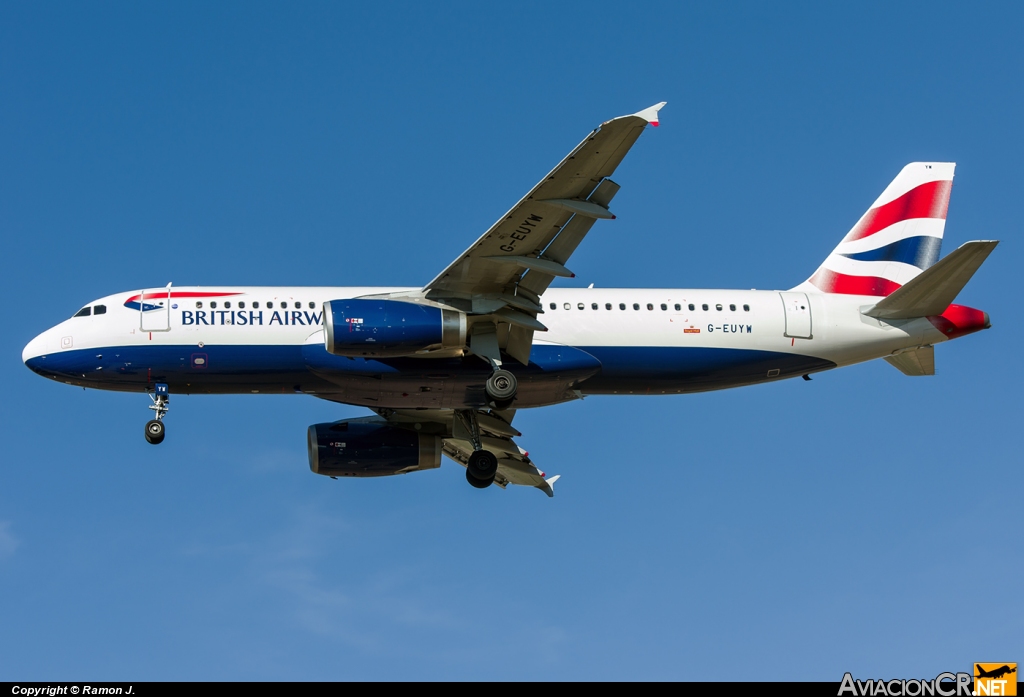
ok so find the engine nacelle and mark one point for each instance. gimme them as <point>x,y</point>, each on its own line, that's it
<point>383,328</point>
<point>370,447</point>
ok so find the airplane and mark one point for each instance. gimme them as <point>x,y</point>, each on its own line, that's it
<point>445,367</point>
<point>995,673</point>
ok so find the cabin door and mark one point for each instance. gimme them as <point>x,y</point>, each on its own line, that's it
<point>155,310</point>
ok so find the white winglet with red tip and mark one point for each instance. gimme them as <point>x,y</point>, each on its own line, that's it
<point>650,114</point>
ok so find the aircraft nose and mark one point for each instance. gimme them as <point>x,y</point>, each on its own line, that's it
<point>35,349</point>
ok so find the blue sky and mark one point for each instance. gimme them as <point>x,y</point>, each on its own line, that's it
<point>862,521</point>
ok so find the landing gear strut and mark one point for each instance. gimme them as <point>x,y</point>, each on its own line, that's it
<point>482,464</point>
<point>155,427</point>
<point>501,388</point>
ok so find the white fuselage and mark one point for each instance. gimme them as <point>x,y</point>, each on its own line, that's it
<point>647,340</point>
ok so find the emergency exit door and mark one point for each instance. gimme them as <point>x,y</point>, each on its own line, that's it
<point>798,315</point>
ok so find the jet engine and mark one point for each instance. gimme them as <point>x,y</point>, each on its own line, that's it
<point>370,447</point>
<point>390,328</point>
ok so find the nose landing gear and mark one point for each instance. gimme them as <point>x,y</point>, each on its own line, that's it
<point>155,427</point>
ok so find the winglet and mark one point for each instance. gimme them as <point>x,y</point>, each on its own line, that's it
<point>650,114</point>
<point>548,487</point>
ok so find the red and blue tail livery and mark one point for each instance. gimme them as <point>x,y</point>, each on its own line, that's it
<point>896,239</point>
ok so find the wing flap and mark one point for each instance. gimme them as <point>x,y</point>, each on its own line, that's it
<point>530,226</point>
<point>514,463</point>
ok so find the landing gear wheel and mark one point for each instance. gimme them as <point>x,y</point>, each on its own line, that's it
<point>478,483</point>
<point>482,466</point>
<point>155,432</point>
<point>501,387</point>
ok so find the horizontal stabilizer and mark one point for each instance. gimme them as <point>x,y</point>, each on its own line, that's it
<point>935,288</point>
<point>919,361</point>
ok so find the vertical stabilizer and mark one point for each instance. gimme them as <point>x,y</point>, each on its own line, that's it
<point>896,239</point>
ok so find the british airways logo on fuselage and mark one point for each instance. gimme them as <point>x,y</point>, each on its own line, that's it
<point>254,318</point>
<point>157,300</point>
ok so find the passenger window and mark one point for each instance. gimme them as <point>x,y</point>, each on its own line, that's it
<point>622,306</point>
<point>692,308</point>
<point>312,305</point>
<point>298,305</point>
<point>746,308</point>
<point>704,307</point>
<point>678,307</point>
<point>227,305</point>
<point>84,312</point>
<point>199,304</point>
<point>650,306</point>
<point>636,306</point>
<point>256,305</point>
<point>664,306</point>
<point>241,304</point>
<point>593,306</point>
<point>718,307</point>
<point>732,308</point>
<point>567,306</point>
<point>99,310</point>
<point>607,306</point>
<point>553,306</point>
<point>580,306</point>
<point>213,304</point>
<point>284,306</point>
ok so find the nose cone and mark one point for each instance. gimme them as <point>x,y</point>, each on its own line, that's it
<point>35,352</point>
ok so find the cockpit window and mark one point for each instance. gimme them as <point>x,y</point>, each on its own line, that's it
<point>99,309</point>
<point>84,312</point>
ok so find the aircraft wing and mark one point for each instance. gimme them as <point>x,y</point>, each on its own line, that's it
<point>496,435</point>
<point>506,270</point>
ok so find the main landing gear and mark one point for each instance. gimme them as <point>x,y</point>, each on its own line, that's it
<point>482,464</point>
<point>501,388</point>
<point>155,427</point>
<point>481,468</point>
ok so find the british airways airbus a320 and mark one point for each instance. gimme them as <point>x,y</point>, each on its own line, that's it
<point>445,366</point>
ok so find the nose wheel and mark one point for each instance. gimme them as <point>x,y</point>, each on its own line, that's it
<point>155,427</point>
<point>154,432</point>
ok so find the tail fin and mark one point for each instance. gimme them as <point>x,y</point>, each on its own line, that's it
<point>898,238</point>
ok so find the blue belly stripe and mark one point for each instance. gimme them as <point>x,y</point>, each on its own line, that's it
<point>241,369</point>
